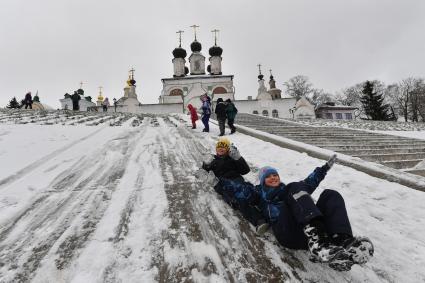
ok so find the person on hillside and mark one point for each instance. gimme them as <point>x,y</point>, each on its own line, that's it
<point>28,100</point>
<point>193,115</point>
<point>231,112</point>
<point>298,222</point>
<point>228,165</point>
<point>206,111</point>
<point>220,111</point>
<point>105,104</point>
<point>75,101</point>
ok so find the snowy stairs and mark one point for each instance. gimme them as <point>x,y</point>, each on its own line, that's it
<point>392,151</point>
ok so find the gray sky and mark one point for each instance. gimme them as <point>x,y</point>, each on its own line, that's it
<point>52,45</point>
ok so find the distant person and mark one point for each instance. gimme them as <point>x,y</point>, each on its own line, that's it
<point>231,112</point>
<point>105,104</point>
<point>299,223</point>
<point>75,101</point>
<point>220,111</point>
<point>206,111</point>
<point>193,115</point>
<point>28,100</point>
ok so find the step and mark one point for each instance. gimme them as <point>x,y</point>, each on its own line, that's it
<point>381,151</point>
<point>344,139</point>
<point>405,164</point>
<point>366,144</point>
<point>391,157</point>
<point>342,147</point>
<point>420,172</point>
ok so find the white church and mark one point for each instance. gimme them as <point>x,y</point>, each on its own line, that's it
<point>188,83</point>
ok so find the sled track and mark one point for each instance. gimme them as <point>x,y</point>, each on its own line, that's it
<point>68,213</point>
<point>26,170</point>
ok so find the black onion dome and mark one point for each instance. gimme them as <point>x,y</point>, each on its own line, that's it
<point>179,52</point>
<point>260,77</point>
<point>271,77</point>
<point>80,91</point>
<point>132,82</point>
<point>216,51</point>
<point>196,46</point>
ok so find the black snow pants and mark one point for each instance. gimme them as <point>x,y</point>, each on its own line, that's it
<point>249,212</point>
<point>298,209</point>
<point>222,125</point>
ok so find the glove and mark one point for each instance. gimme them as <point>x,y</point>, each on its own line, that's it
<point>234,152</point>
<point>330,162</point>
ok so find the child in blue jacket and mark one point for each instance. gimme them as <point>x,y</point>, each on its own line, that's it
<point>299,223</point>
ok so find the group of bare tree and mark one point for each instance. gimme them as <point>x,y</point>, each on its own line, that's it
<point>405,99</point>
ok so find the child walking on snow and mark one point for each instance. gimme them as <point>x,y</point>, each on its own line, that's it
<point>193,115</point>
<point>298,222</point>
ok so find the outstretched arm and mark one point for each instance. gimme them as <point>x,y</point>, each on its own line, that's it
<point>313,180</point>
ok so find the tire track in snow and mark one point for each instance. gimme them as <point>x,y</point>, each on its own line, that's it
<point>69,214</point>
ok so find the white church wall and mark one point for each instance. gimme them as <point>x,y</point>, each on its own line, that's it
<point>283,106</point>
<point>161,108</point>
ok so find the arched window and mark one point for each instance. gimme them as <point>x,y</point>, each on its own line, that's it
<point>255,112</point>
<point>177,92</point>
<point>275,114</point>
<point>219,90</point>
<point>265,113</point>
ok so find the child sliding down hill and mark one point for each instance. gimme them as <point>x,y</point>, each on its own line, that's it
<point>228,164</point>
<point>296,220</point>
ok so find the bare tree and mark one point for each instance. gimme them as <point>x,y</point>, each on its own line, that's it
<point>299,86</point>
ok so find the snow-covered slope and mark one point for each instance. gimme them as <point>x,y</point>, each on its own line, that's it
<point>122,204</point>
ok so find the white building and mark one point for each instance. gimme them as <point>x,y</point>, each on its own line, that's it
<point>84,103</point>
<point>272,103</point>
<point>335,112</point>
<point>187,85</point>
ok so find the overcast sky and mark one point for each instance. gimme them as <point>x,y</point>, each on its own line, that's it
<point>52,45</point>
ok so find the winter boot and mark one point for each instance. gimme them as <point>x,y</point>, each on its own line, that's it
<point>360,248</point>
<point>322,250</point>
<point>261,227</point>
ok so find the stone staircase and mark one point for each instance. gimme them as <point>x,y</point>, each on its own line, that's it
<point>392,151</point>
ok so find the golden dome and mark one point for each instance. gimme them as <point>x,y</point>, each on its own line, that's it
<point>100,97</point>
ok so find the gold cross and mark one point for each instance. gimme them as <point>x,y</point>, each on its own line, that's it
<point>100,89</point>
<point>180,37</point>
<point>194,29</point>
<point>215,35</point>
<point>81,85</point>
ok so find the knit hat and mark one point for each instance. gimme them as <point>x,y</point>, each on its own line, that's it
<point>219,100</point>
<point>223,143</point>
<point>265,172</point>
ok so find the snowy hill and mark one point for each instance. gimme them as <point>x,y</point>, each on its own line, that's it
<point>81,203</point>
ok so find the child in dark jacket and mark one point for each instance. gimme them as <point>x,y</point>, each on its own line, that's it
<point>193,115</point>
<point>298,223</point>
<point>220,111</point>
<point>228,166</point>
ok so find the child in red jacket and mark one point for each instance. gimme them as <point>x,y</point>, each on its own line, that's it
<point>193,115</point>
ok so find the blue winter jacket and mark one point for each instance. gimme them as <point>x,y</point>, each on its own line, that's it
<point>269,200</point>
<point>206,108</point>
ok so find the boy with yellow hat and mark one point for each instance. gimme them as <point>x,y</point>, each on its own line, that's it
<point>228,166</point>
